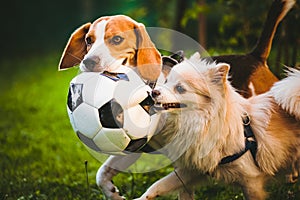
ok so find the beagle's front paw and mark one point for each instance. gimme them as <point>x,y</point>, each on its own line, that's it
<point>146,197</point>
<point>110,191</point>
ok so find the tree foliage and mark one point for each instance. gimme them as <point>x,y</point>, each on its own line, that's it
<point>35,26</point>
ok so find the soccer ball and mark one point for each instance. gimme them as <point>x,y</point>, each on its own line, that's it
<point>111,112</point>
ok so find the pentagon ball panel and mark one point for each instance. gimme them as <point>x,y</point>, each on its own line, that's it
<point>86,117</point>
<point>110,112</point>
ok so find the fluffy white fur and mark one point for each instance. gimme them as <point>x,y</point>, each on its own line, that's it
<point>287,92</point>
<point>211,128</point>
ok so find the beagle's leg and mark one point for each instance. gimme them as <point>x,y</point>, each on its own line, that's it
<point>176,180</point>
<point>110,168</point>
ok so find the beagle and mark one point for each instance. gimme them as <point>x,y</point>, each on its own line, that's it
<point>102,46</point>
<point>109,42</point>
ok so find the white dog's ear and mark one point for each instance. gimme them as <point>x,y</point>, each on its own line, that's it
<point>148,61</point>
<point>75,48</point>
<point>195,57</point>
<point>221,73</point>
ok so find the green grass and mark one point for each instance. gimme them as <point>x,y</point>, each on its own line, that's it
<point>41,157</point>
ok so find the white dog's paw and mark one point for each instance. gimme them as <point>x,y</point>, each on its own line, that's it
<point>290,178</point>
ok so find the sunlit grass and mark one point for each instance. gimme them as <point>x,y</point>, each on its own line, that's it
<point>40,154</point>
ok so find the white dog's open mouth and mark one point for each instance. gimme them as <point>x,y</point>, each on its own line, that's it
<point>167,106</point>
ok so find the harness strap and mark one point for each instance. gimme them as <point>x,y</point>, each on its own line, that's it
<point>250,144</point>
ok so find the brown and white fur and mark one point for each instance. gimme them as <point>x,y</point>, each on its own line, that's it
<point>109,42</point>
<point>104,45</point>
<point>211,122</point>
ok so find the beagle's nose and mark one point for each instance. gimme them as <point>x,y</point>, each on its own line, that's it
<point>155,93</point>
<point>91,62</point>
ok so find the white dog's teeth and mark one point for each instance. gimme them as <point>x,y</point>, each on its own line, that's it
<point>158,107</point>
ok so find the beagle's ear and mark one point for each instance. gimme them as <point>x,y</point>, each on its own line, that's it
<point>148,60</point>
<point>75,48</point>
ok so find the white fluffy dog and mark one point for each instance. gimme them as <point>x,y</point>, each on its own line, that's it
<point>225,135</point>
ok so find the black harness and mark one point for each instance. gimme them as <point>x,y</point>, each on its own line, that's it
<point>250,143</point>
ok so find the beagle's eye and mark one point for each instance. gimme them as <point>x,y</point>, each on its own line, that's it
<point>88,41</point>
<point>180,89</point>
<point>117,40</point>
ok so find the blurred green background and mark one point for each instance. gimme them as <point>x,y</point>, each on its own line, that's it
<point>40,156</point>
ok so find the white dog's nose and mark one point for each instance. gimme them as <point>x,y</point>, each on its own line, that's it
<point>155,93</point>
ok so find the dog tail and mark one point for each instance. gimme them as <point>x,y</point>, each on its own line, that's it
<point>287,92</point>
<point>276,13</point>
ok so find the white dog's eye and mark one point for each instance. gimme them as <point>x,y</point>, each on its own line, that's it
<point>180,89</point>
<point>117,40</point>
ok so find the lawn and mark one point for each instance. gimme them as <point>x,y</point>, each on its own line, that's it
<point>42,158</point>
